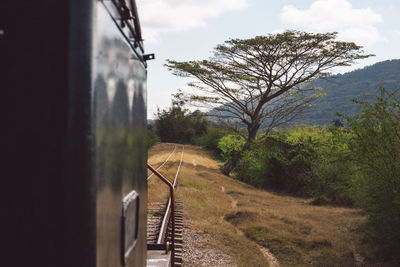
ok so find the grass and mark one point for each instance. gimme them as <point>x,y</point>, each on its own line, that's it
<point>234,193</point>
<point>239,216</point>
<point>158,190</point>
<point>159,213</point>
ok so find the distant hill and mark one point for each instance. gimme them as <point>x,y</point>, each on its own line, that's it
<point>342,87</point>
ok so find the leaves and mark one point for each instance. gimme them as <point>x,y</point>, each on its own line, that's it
<point>375,147</point>
<point>179,125</point>
<point>262,80</point>
<point>246,75</point>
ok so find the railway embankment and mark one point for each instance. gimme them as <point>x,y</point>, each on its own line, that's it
<point>229,223</point>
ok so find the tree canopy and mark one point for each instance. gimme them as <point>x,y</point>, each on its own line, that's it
<point>264,80</point>
<point>178,124</point>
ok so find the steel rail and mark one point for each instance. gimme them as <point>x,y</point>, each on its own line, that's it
<point>170,207</point>
<point>159,167</point>
<point>171,200</point>
<point>179,166</point>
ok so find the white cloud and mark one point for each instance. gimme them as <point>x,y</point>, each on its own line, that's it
<point>159,16</point>
<point>396,32</point>
<point>357,25</point>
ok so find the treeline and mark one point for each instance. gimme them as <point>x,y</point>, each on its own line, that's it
<point>177,125</point>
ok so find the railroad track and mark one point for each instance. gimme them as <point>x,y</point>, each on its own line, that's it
<point>160,228</point>
<point>166,160</point>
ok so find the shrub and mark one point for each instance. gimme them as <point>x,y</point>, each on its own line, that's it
<point>210,139</point>
<point>151,138</point>
<point>276,164</point>
<point>229,144</point>
<point>308,161</point>
<point>253,167</point>
<point>375,146</point>
<point>333,170</point>
<point>290,165</point>
<point>177,124</point>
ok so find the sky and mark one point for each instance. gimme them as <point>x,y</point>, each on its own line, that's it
<point>185,30</point>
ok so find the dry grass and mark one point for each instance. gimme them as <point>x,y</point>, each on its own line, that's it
<point>297,233</point>
<point>159,191</point>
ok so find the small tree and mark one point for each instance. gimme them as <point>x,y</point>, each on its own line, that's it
<point>178,124</point>
<point>263,80</point>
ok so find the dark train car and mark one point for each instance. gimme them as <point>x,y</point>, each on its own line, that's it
<point>73,175</point>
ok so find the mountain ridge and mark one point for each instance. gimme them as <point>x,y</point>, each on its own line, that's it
<point>341,88</point>
<point>356,84</point>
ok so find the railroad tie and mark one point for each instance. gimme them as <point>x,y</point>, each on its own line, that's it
<point>178,233</point>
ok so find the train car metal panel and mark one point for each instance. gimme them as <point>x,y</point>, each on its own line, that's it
<point>73,119</point>
<point>120,131</point>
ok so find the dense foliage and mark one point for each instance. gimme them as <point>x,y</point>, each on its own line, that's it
<point>210,139</point>
<point>230,144</point>
<point>375,148</point>
<point>152,138</point>
<point>179,125</point>
<point>282,167</point>
<point>303,161</point>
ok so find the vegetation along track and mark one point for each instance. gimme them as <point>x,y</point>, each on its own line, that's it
<point>159,206</point>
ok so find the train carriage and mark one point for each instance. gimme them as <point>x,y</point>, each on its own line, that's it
<point>73,82</point>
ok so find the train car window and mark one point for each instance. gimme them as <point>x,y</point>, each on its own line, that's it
<point>129,224</point>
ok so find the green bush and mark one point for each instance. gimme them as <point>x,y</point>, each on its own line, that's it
<point>253,166</point>
<point>177,124</point>
<point>151,138</point>
<point>276,164</point>
<point>308,161</point>
<point>333,170</point>
<point>375,147</point>
<point>229,144</point>
<point>210,139</point>
<point>329,179</point>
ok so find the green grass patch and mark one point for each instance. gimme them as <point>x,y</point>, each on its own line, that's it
<point>159,213</point>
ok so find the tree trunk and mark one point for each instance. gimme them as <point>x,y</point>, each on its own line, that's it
<point>228,167</point>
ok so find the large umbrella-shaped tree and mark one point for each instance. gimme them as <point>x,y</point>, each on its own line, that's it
<point>264,81</point>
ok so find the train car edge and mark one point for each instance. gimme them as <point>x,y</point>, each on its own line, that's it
<point>74,83</point>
